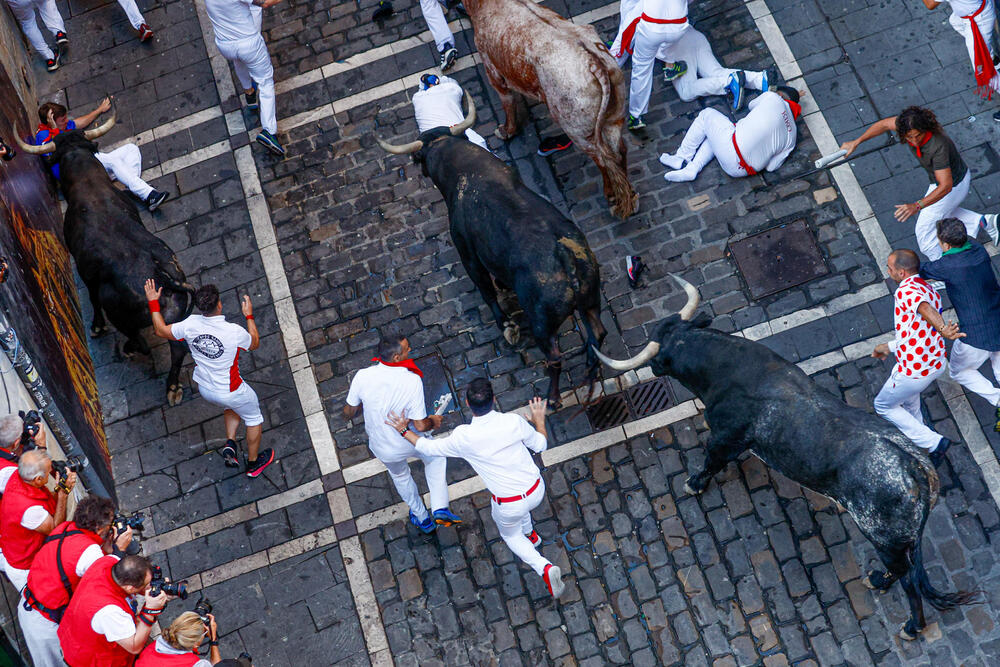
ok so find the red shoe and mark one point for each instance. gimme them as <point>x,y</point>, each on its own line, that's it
<point>264,458</point>
<point>553,579</point>
<point>145,33</point>
<point>536,541</point>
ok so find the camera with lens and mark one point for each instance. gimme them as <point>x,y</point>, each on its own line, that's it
<point>203,608</point>
<point>73,463</point>
<point>157,584</point>
<point>32,422</point>
<point>123,522</point>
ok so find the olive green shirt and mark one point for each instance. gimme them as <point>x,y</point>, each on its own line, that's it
<point>940,153</point>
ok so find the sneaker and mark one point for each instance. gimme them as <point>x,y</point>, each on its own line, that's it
<point>996,116</point>
<point>989,224</point>
<point>61,38</point>
<point>535,540</point>
<point>552,145</point>
<point>633,269</point>
<point>446,518</point>
<point>937,454</point>
<point>52,64</point>
<point>156,198</point>
<point>145,33</point>
<point>229,455</point>
<point>635,123</point>
<point>268,140</point>
<point>770,79</point>
<point>251,97</point>
<point>264,458</point>
<point>448,56</point>
<point>553,579</point>
<point>674,71</point>
<point>736,89</point>
<point>427,526</point>
<point>996,427</point>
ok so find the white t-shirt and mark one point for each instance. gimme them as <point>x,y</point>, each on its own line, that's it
<point>962,8</point>
<point>34,516</point>
<point>496,446</point>
<point>163,648</point>
<point>767,134</point>
<point>439,106</point>
<point>113,622</point>
<point>233,19</point>
<point>87,558</point>
<point>382,389</point>
<point>5,474</point>
<point>215,347</point>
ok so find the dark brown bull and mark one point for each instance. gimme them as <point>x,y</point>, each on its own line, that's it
<point>531,51</point>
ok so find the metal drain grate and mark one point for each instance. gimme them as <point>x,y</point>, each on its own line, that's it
<point>778,258</point>
<point>609,412</point>
<point>650,397</point>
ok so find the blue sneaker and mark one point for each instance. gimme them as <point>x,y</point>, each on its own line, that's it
<point>674,71</point>
<point>635,123</point>
<point>736,89</point>
<point>446,518</point>
<point>251,97</point>
<point>427,526</point>
<point>770,79</point>
<point>269,141</point>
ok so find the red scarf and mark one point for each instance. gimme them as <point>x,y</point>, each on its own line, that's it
<point>982,62</point>
<point>795,107</point>
<point>53,131</point>
<point>927,137</point>
<point>408,364</point>
<point>629,33</point>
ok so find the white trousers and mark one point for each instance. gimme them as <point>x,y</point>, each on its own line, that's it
<point>435,472</point>
<point>252,62</point>
<point>132,12</point>
<point>649,38</point>
<point>40,636</point>
<point>899,403</point>
<point>125,164</point>
<point>513,522</point>
<point>476,138</point>
<point>437,23</point>
<point>18,577</point>
<point>627,10</point>
<point>24,12</point>
<point>985,22</point>
<point>948,206</point>
<point>963,367</point>
<point>704,76</point>
<point>243,402</point>
<point>710,136</point>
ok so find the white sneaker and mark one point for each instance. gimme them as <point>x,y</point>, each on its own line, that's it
<point>989,223</point>
<point>553,579</point>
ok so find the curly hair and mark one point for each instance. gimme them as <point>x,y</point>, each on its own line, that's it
<point>919,119</point>
<point>94,512</point>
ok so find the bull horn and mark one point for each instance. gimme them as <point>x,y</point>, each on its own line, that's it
<point>647,353</point>
<point>47,147</point>
<point>470,118</point>
<point>687,312</point>
<point>403,149</point>
<point>101,129</point>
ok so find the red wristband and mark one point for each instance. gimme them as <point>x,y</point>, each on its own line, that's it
<point>249,317</point>
<point>154,306</point>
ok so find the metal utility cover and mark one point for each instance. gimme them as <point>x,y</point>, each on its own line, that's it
<point>778,258</point>
<point>437,382</point>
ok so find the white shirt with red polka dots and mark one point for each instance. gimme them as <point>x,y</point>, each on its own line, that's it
<point>918,347</point>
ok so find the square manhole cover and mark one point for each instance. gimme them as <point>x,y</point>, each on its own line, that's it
<point>779,258</point>
<point>437,384</point>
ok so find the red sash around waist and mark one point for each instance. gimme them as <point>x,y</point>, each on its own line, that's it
<point>629,33</point>
<point>743,163</point>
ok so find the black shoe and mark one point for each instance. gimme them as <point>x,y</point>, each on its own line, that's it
<point>555,144</point>
<point>156,198</point>
<point>996,427</point>
<point>265,457</point>
<point>61,38</point>
<point>52,64</point>
<point>229,455</point>
<point>448,56</point>
<point>251,97</point>
<point>996,116</point>
<point>937,456</point>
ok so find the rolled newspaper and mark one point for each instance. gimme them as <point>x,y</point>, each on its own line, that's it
<point>827,159</point>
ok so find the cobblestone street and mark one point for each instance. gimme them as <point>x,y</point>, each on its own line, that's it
<point>315,563</point>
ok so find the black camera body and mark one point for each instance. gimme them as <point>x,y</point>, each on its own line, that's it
<point>158,583</point>
<point>203,608</point>
<point>123,522</point>
<point>32,423</point>
<point>71,464</point>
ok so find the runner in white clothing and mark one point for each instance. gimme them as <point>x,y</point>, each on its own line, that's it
<point>394,384</point>
<point>974,20</point>
<point>438,103</point>
<point>759,141</point>
<point>496,446</point>
<point>215,346</point>
<point>433,12</point>
<point>236,24</point>
<point>24,12</point>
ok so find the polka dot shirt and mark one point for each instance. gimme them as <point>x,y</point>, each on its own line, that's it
<point>918,347</point>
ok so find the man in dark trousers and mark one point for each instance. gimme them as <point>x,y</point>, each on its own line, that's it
<point>966,271</point>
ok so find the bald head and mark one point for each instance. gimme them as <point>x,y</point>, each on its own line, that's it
<point>34,467</point>
<point>904,261</point>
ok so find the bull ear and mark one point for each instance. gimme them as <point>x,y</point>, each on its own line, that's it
<point>701,320</point>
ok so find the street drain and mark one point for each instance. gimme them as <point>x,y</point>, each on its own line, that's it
<point>650,397</point>
<point>609,412</point>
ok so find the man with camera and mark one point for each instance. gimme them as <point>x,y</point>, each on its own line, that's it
<point>66,555</point>
<point>99,626</point>
<point>29,511</point>
<point>15,431</point>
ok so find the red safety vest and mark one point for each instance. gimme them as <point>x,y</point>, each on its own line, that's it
<point>20,544</point>
<point>81,646</point>
<point>52,578</point>
<point>150,657</point>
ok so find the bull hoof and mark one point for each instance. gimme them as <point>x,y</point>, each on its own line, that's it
<point>908,632</point>
<point>511,333</point>
<point>688,488</point>
<point>175,393</point>
<point>554,405</point>
<point>876,581</point>
<point>97,332</point>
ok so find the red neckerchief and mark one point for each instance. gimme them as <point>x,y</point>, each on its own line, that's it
<point>927,137</point>
<point>53,131</point>
<point>795,107</point>
<point>408,364</point>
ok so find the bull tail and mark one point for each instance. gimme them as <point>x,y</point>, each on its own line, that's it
<point>940,601</point>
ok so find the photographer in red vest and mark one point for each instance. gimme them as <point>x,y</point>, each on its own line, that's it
<point>29,512</point>
<point>66,555</point>
<point>179,644</point>
<point>12,428</point>
<point>99,627</point>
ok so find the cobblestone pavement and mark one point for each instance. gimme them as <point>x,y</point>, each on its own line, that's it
<point>308,564</point>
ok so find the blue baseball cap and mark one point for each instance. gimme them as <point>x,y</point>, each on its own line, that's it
<point>428,80</point>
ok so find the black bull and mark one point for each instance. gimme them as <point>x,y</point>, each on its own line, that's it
<point>114,252</point>
<point>755,400</point>
<point>508,236</point>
